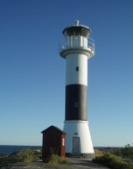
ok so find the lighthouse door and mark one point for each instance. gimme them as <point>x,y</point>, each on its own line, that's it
<point>76,146</point>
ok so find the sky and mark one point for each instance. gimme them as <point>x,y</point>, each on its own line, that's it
<point>32,73</point>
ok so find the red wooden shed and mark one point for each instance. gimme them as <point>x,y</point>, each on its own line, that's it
<point>53,142</point>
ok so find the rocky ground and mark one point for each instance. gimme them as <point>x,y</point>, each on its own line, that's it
<point>74,163</point>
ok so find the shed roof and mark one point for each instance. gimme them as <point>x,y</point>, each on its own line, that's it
<point>55,128</point>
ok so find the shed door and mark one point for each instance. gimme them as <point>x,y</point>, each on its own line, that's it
<point>76,146</point>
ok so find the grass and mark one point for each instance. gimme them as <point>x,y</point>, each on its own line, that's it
<point>113,161</point>
<point>26,156</point>
<point>56,159</point>
<point>21,156</point>
<point>29,156</point>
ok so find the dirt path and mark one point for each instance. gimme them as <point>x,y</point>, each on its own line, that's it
<point>74,163</point>
<point>82,163</point>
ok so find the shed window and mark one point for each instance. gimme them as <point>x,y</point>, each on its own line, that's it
<point>63,142</point>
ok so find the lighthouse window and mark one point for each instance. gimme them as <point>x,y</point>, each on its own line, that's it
<point>77,68</point>
<point>76,104</point>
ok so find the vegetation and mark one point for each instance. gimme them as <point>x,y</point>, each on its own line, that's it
<point>99,153</point>
<point>113,162</point>
<point>26,156</point>
<point>115,158</point>
<point>56,159</point>
<point>21,156</point>
<point>29,156</point>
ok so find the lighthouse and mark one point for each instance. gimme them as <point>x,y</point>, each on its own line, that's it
<point>77,49</point>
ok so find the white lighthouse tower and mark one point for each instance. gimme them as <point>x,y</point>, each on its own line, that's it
<point>77,51</point>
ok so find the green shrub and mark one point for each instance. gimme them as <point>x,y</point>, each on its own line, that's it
<point>56,159</point>
<point>113,162</point>
<point>99,153</point>
<point>21,156</point>
<point>26,156</point>
<point>127,152</point>
<point>6,160</point>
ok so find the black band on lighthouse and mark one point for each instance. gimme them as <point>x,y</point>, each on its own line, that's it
<point>77,30</point>
<point>76,102</point>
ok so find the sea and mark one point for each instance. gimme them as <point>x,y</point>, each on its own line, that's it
<point>9,149</point>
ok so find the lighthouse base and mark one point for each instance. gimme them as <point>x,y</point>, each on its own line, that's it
<point>78,139</point>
